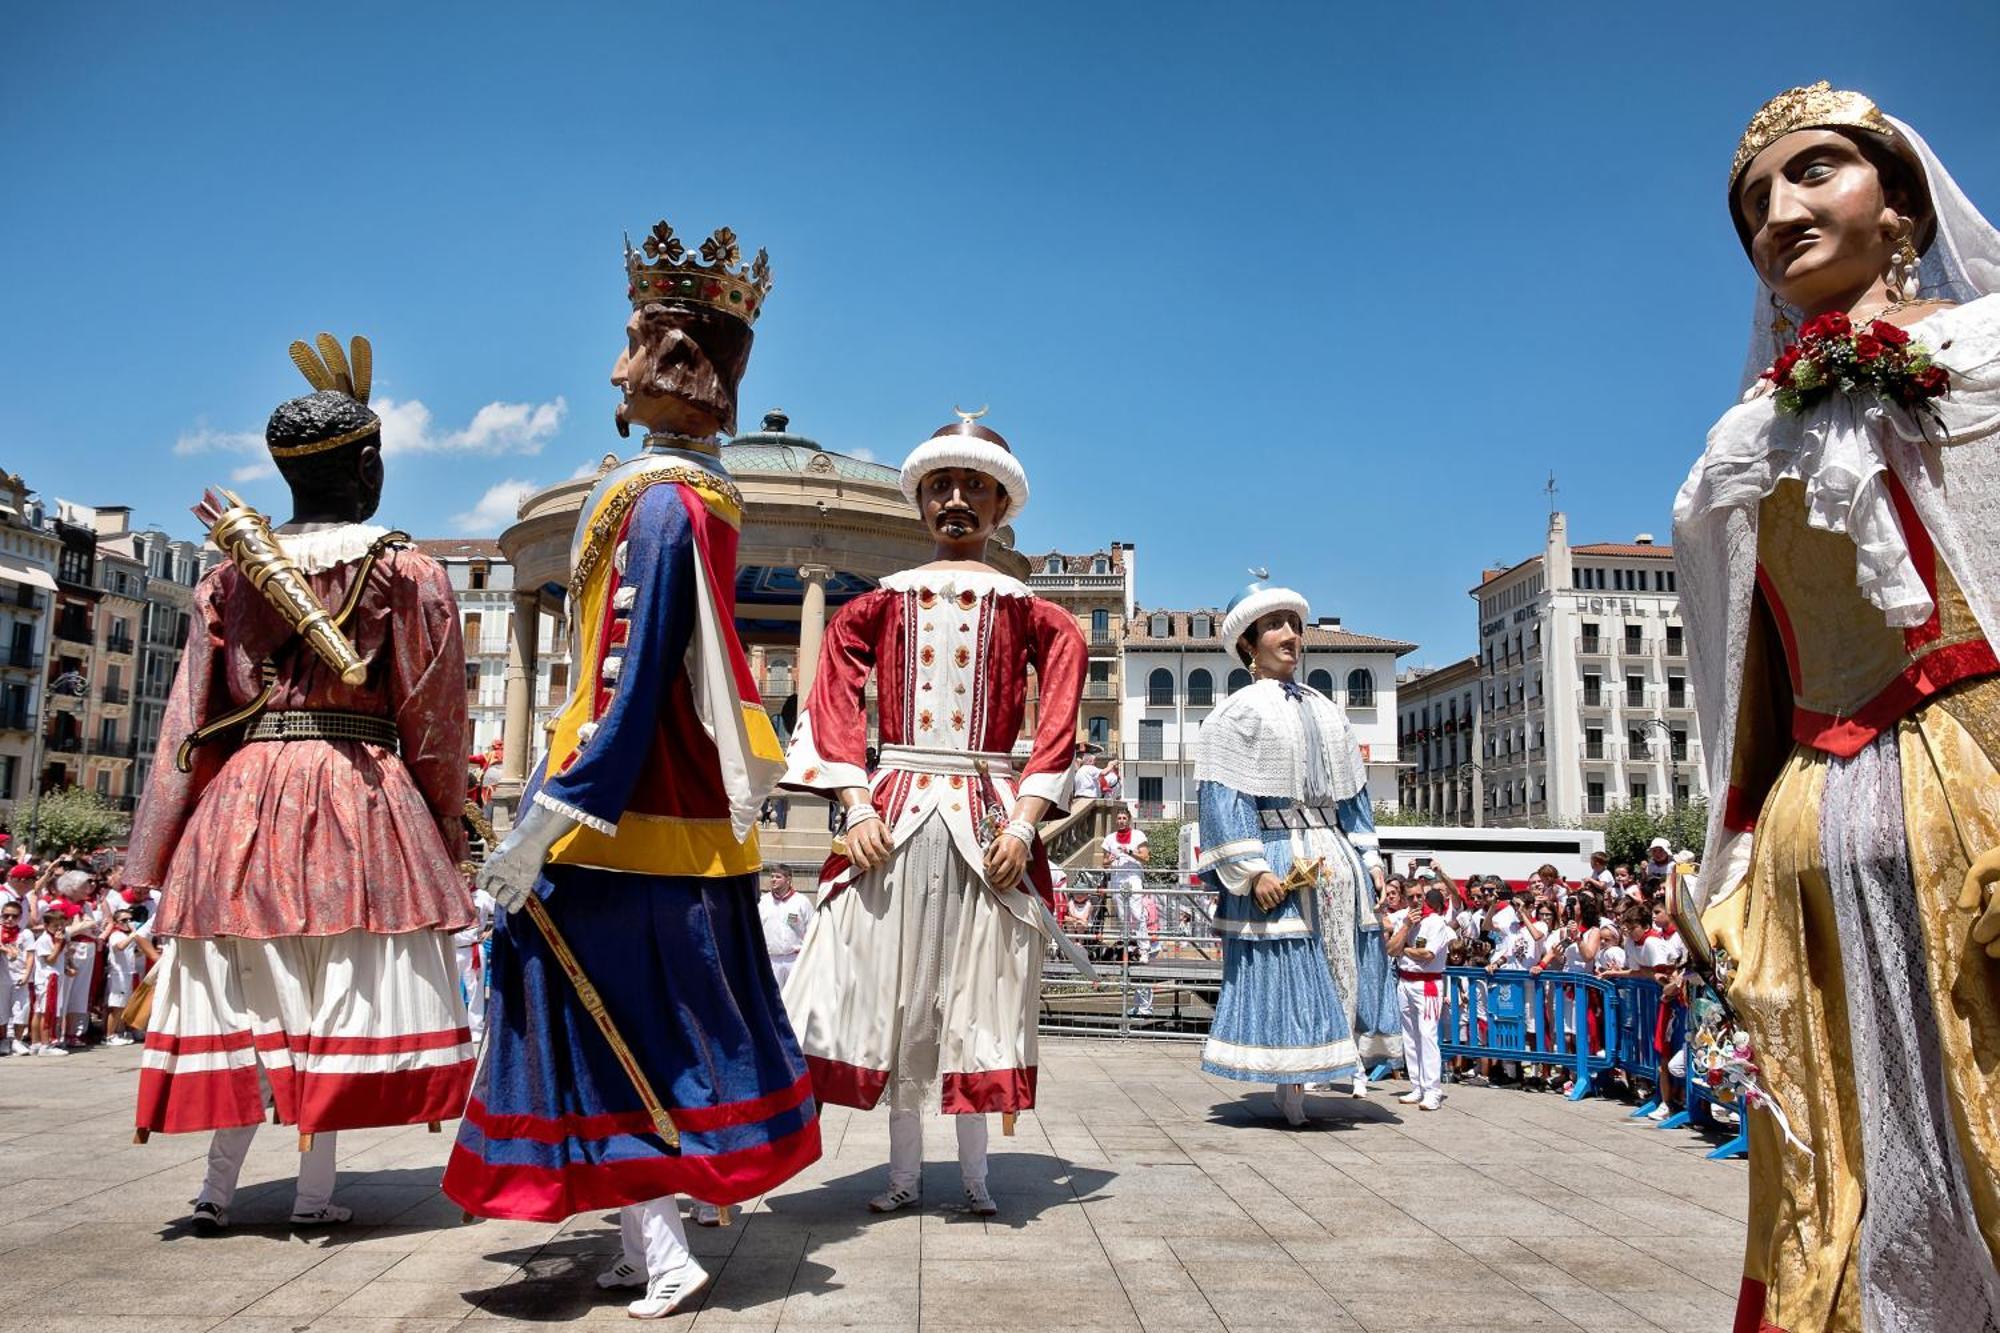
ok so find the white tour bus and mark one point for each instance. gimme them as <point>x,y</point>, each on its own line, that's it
<point>1514,854</point>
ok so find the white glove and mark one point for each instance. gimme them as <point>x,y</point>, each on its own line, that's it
<point>511,872</point>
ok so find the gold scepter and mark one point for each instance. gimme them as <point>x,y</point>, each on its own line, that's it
<point>245,536</point>
<point>593,1003</point>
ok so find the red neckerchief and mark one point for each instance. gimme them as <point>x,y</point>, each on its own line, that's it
<point>8,934</point>
<point>1124,837</point>
<point>777,897</point>
<point>133,897</point>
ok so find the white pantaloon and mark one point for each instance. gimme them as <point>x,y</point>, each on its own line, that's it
<point>227,1149</point>
<point>1420,1036</point>
<point>653,1235</point>
<point>906,1148</point>
<point>76,989</point>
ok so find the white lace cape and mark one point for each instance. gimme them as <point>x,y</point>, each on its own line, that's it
<point>1255,743</point>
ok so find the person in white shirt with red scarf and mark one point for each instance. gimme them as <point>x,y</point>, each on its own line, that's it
<point>17,978</point>
<point>1125,855</point>
<point>1419,945</point>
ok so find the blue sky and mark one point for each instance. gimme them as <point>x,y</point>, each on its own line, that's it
<point>1291,285</point>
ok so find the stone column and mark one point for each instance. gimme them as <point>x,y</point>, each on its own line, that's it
<point>812,625</point>
<point>516,735</point>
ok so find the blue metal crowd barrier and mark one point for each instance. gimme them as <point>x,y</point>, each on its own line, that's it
<point>1534,1018</point>
<point>1547,1018</point>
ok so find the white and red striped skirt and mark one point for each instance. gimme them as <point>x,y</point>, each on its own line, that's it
<point>350,1031</point>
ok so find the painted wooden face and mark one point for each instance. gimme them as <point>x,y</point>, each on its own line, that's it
<point>679,369</point>
<point>1820,221</point>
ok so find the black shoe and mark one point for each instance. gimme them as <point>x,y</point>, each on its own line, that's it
<point>210,1219</point>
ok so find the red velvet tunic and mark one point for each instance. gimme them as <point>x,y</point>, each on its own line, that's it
<point>285,838</point>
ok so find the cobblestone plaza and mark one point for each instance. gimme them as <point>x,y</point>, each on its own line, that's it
<point>1141,1195</point>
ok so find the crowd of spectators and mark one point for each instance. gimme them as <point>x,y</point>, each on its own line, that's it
<point>74,946</point>
<point>1615,923</point>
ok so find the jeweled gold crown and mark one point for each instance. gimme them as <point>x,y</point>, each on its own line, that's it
<point>1819,107</point>
<point>663,269</point>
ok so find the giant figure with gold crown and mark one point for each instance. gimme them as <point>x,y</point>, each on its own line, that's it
<point>1838,546</point>
<point>636,1044</point>
<point>302,824</point>
<point>920,976</point>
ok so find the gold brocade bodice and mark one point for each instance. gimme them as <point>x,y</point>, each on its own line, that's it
<point>1851,673</point>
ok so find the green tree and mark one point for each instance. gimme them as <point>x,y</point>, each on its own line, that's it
<point>73,817</point>
<point>1629,829</point>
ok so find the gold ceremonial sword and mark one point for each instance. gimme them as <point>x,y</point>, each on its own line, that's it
<point>593,1003</point>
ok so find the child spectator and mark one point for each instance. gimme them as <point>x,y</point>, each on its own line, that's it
<point>123,964</point>
<point>17,978</point>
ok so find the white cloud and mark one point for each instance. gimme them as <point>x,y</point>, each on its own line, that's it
<point>497,428</point>
<point>254,472</point>
<point>409,428</point>
<point>204,439</point>
<point>497,509</point>
<point>864,453</point>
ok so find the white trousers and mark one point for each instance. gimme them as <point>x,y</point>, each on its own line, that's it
<point>76,989</point>
<point>782,965</point>
<point>472,980</point>
<point>653,1235</point>
<point>1135,909</point>
<point>906,1149</point>
<point>227,1148</point>
<point>1420,1036</point>
<point>16,999</point>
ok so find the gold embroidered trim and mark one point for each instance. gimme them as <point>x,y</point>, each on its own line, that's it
<point>604,526</point>
<point>321,446</point>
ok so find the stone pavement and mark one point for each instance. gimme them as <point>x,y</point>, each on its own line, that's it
<point>1143,1195</point>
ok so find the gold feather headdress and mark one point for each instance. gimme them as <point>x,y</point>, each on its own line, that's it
<point>327,368</point>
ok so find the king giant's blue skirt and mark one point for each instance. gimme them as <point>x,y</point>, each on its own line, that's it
<point>1279,1019</point>
<point>555,1127</point>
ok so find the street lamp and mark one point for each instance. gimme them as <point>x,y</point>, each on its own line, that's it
<point>1673,764</point>
<point>1465,772</point>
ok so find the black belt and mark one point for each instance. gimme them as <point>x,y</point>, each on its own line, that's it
<point>302,724</point>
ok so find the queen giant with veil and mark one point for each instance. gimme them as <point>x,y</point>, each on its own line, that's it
<point>1839,561</point>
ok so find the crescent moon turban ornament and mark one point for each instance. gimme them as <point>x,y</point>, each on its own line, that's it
<point>969,417</point>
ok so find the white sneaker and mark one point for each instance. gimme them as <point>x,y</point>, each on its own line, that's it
<point>707,1214</point>
<point>1411,1098</point>
<point>978,1202</point>
<point>1432,1102</point>
<point>330,1216</point>
<point>1660,1112</point>
<point>21,1047</point>
<point>52,1050</point>
<point>668,1292</point>
<point>624,1273</point>
<point>1360,1088</point>
<point>896,1196</point>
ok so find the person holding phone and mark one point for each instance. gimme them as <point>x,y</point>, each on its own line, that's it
<point>1419,945</point>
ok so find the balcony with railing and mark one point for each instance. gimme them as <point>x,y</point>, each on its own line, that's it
<point>1102,642</point>
<point>65,745</point>
<point>1099,690</point>
<point>1673,650</point>
<point>1592,645</point>
<point>26,598</point>
<point>115,694</point>
<point>112,748</point>
<point>16,718</point>
<point>1601,752</point>
<point>120,643</point>
<point>1594,701</point>
<point>65,703</point>
<point>22,657</point>
<point>74,629</point>
<point>1149,751</point>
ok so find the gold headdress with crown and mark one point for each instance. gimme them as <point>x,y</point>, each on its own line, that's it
<point>327,369</point>
<point>663,269</point>
<point>1821,106</point>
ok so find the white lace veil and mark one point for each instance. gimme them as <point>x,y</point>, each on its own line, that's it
<point>1962,264</point>
<point>1840,451</point>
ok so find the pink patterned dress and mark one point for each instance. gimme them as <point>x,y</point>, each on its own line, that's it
<point>310,887</point>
